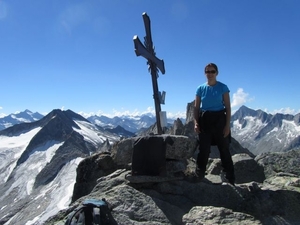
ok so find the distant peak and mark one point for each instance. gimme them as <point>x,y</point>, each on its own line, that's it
<point>65,114</point>
<point>244,107</point>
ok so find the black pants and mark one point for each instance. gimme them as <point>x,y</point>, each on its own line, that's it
<point>212,125</point>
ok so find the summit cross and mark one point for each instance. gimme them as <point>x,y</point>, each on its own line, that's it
<point>154,63</point>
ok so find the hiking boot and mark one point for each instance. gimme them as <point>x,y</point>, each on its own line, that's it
<point>200,174</point>
<point>227,177</point>
<point>230,178</point>
<point>231,181</point>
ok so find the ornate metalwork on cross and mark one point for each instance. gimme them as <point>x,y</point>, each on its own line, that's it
<point>154,64</point>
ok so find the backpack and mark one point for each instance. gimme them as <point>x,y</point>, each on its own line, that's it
<point>91,212</point>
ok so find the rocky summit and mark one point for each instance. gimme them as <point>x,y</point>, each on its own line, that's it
<point>267,189</point>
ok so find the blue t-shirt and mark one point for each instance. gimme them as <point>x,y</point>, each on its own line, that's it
<point>212,96</point>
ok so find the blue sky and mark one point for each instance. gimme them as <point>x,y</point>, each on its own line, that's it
<point>79,55</point>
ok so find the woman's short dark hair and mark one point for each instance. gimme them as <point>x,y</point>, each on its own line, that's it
<point>211,65</point>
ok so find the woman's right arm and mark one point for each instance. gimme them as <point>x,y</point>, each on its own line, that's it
<point>196,114</point>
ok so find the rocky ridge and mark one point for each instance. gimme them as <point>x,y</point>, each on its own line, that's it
<point>265,192</point>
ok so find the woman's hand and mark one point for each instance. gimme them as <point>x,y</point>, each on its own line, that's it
<point>197,128</point>
<point>226,130</point>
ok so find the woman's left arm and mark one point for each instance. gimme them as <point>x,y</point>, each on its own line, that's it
<point>226,100</point>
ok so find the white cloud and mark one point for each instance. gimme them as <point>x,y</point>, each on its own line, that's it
<point>121,112</point>
<point>136,112</point>
<point>176,115</point>
<point>286,110</point>
<point>2,114</point>
<point>239,98</point>
<point>124,112</point>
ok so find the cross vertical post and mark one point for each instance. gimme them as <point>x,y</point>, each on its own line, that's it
<point>154,64</point>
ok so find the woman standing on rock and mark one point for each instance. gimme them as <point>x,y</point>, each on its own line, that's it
<point>212,114</point>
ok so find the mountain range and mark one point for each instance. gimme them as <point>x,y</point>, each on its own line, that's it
<point>130,123</point>
<point>38,162</point>
<point>261,132</point>
<point>21,117</point>
<point>39,159</point>
<point>255,130</point>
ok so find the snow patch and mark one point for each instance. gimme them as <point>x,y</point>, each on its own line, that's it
<point>60,190</point>
<point>253,125</point>
<point>11,149</point>
<point>91,134</point>
<point>26,172</point>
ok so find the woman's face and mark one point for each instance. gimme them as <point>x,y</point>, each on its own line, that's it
<point>210,73</point>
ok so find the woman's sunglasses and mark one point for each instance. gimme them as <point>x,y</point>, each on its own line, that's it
<point>210,71</point>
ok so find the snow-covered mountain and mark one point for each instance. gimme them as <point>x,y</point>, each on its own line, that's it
<point>255,130</point>
<point>38,162</point>
<point>261,132</point>
<point>22,117</point>
<point>130,123</point>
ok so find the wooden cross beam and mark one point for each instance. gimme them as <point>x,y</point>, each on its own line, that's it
<point>154,63</point>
